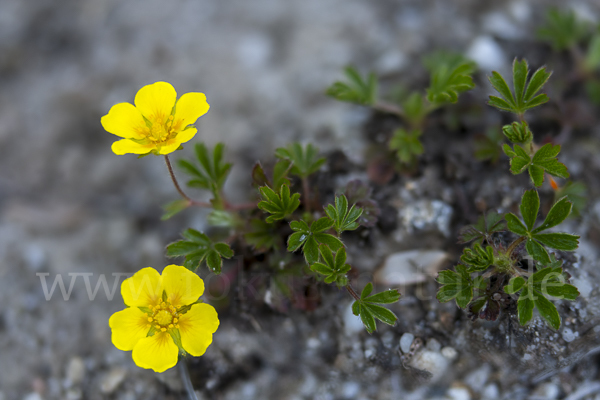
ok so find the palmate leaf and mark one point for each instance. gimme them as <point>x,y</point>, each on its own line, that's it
<point>344,219</point>
<point>450,76</point>
<point>535,240</point>
<point>263,236</point>
<point>456,285</point>
<point>562,29</point>
<point>279,205</point>
<point>478,258</point>
<point>547,282</point>
<point>486,225</point>
<point>212,171</point>
<point>369,308</point>
<point>518,132</point>
<point>524,95</point>
<point>407,145</point>
<point>305,160</point>
<point>309,238</point>
<point>334,265</point>
<point>198,248</point>
<point>544,160</point>
<point>356,89</point>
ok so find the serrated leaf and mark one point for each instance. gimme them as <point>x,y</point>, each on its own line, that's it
<point>212,173</point>
<point>343,219</point>
<point>456,285</point>
<point>367,319</point>
<point>515,225</point>
<point>262,236</point>
<point>537,251</point>
<point>547,310</point>
<point>173,208</point>
<point>309,238</point>
<point>356,89</point>
<point>198,248</point>
<point>224,250</point>
<point>558,241</point>
<point>557,214</point>
<point>407,145</point>
<point>486,225</point>
<point>530,205</point>
<point>381,313</point>
<point>214,262</point>
<point>478,258</point>
<point>563,29</point>
<point>322,224</point>
<point>386,297</point>
<point>525,306</point>
<point>281,205</point>
<point>514,285</point>
<point>450,76</point>
<point>305,160</point>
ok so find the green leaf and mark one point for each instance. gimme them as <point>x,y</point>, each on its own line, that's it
<point>557,214</point>
<point>366,291</point>
<point>356,89</point>
<point>212,173</point>
<point>359,193</point>
<point>450,76</point>
<point>486,225</point>
<point>525,306</point>
<point>518,132</point>
<point>558,241</point>
<point>524,96</point>
<point>407,145</point>
<point>305,160</point>
<point>262,235</point>
<point>592,58</point>
<point>515,225</point>
<point>173,208</point>
<point>381,313</point>
<point>414,108</point>
<point>309,238</point>
<point>544,160</point>
<point>478,258</point>
<point>562,29</point>
<point>537,251</point>
<point>367,318</point>
<point>514,285</point>
<point>259,178</point>
<point>198,248</point>
<point>343,219</point>
<point>386,297</point>
<point>530,205</point>
<point>456,285</point>
<point>333,267</point>
<point>547,310</point>
<point>223,218</point>
<point>281,205</point>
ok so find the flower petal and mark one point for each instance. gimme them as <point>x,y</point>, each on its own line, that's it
<point>143,289</point>
<point>125,146</point>
<point>157,352</point>
<point>128,327</point>
<point>170,146</point>
<point>189,108</point>
<point>125,120</point>
<point>186,135</point>
<point>196,328</point>
<point>182,286</point>
<point>156,101</point>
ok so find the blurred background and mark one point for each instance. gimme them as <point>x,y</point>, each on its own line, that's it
<point>68,204</point>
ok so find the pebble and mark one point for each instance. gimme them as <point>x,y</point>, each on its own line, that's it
<point>352,323</point>
<point>112,379</point>
<point>406,341</point>
<point>568,335</point>
<point>427,215</point>
<point>490,392</point>
<point>410,267</point>
<point>449,352</point>
<point>431,361</point>
<point>487,53</point>
<point>546,391</point>
<point>584,286</point>
<point>458,393</point>
<point>477,378</point>
<point>75,371</point>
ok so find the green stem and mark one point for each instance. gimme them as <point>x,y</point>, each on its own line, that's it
<point>350,290</point>
<point>514,245</point>
<point>185,377</point>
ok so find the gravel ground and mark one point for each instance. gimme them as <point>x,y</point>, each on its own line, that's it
<point>70,206</point>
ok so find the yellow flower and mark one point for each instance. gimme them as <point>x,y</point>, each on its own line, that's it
<point>163,317</point>
<point>158,123</point>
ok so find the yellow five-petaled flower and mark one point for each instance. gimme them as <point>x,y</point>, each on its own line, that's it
<point>158,123</point>
<point>163,317</point>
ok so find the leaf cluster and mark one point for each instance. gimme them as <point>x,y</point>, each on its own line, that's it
<point>450,76</point>
<point>305,160</point>
<point>198,248</point>
<point>280,205</point>
<point>544,160</point>
<point>536,241</point>
<point>355,89</point>
<point>518,132</point>
<point>486,226</point>
<point>546,282</point>
<point>406,144</point>
<point>524,94</point>
<point>369,308</point>
<point>308,238</point>
<point>333,267</point>
<point>344,219</point>
<point>211,171</point>
<point>562,29</point>
<point>458,285</point>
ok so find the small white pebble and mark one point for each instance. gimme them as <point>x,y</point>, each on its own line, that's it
<point>406,341</point>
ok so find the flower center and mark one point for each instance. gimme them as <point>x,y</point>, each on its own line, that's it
<point>163,316</point>
<point>160,132</point>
